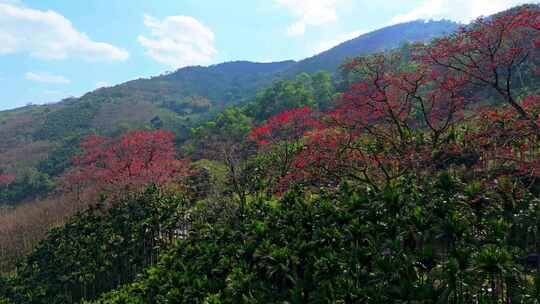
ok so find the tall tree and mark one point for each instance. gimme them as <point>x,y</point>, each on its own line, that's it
<point>137,159</point>
<point>490,54</point>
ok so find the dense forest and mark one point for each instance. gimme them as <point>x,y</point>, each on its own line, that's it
<point>411,175</point>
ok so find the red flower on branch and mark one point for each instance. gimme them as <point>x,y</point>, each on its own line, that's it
<point>287,126</point>
<point>6,178</point>
<point>136,159</point>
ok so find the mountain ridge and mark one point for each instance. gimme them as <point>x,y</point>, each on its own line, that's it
<point>413,31</point>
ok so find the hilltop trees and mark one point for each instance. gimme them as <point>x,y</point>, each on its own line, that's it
<point>306,90</point>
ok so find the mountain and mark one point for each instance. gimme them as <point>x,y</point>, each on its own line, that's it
<point>226,82</point>
<point>237,81</point>
<point>175,101</point>
<point>380,40</point>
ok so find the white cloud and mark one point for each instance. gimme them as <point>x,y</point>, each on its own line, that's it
<point>11,1</point>
<point>102,84</point>
<point>49,35</point>
<point>179,41</point>
<point>328,44</point>
<point>46,78</point>
<point>309,13</point>
<point>458,10</point>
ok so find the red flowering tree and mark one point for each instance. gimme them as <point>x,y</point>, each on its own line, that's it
<point>390,120</point>
<point>6,178</point>
<point>327,156</point>
<point>508,145</point>
<point>280,138</point>
<point>400,117</point>
<point>393,116</point>
<point>288,126</point>
<point>392,100</point>
<point>136,159</point>
<point>490,54</point>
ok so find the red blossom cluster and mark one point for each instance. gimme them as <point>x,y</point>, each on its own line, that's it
<point>389,102</point>
<point>529,19</point>
<point>327,156</point>
<point>370,135</point>
<point>281,136</point>
<point>490,53</point>
<point>507,144</point>
<point>6,178</point>
<point>286,126</point>
<point>138,158</point>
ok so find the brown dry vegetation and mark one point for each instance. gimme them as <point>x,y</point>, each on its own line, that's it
<point>22,227</point>
<point>26,155</point>
<point>17,147</point>
<point>112,115</point>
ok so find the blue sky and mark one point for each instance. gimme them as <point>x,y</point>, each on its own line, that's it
<point>51,49</point>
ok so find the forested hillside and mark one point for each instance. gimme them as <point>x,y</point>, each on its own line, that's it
<point>37,142</point>
<point>410,175</point>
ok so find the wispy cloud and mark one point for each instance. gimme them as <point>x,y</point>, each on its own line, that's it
<point>458,10</point>
<point>179,41</point>
<point>45,77</point>
<point>49,35</point>
<point>309,13</point>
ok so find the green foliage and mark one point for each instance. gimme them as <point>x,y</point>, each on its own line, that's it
<point>72,119</point>
<point>188,106</point>
<point>289,94</point>
<point>31,184</point>
<point>99,249</point>
<point>323,89</point>
<point>6,291</point>
<point>232,124</point>
<point>61,158</point>
<point>412,243</point>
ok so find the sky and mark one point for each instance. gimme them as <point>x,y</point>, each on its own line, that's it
<point>53,49</point>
